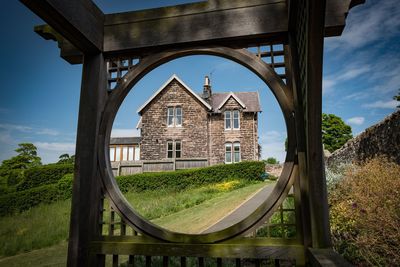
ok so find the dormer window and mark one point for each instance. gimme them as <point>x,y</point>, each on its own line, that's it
<point>174,116</point>
<point>232,119</point>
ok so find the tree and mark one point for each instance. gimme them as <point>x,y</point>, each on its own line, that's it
<point>66,159</point>
<point>397,98</point>
<point>271,160</point>
<point>12,170</point>
<point>335,133</point>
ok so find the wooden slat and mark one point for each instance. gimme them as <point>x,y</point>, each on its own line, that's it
<point>80,21</point>
<point>239,248</point>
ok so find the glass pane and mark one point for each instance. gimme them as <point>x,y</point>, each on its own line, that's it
<point>236,119</point>
<point>237,156</point>
<point>118,154</point>
<point>170,116</point>
<point>177,154</point>
<point>112,153</point>
<point>170,147</point>
<point>169,154</point>
<point>178,120</point>
<point>227,119</point>
<point>178,146</point>
<point>137,153</point>
<point>178,111</point>
<point>228,157</point>
<point>125,153</point>
<point>130,154</point>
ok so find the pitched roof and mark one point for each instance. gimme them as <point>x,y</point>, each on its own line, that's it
<point>184,86</point>
<point>248,100</point>
<point>125,140</point>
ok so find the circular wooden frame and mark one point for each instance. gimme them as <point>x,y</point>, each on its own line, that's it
<point>116,97</point>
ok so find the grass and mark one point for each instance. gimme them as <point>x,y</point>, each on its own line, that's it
<point>39,227</point>
<point>187,211</point>
<point>198,218</point>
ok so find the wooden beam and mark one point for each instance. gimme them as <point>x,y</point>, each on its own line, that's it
<point>191,25</point>
<point>239,248</point>
<point>79,21</point>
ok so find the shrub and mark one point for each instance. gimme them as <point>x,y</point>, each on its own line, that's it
<point>42,175</point>
<point>179,180</point>
<point>364,211</point>
<point>24,200</point>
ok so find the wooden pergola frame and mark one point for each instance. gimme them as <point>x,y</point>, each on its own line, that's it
<point>218,27</point>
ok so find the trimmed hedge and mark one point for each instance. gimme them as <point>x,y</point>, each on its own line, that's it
<point>43,175</point>
<point>178,180</point>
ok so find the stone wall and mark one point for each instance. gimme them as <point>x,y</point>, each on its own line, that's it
<point>382,138</point>
<point>246,134</point>
<point>193,133</point>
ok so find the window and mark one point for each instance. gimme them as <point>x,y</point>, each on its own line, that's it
<point>228,120</point>
<point>232,152</point>
<point>178,149</point>
<point>232,120</point>
<point>174,116</point>
<point>112,153</point>
<point>170,149</point>
<point>236,152</point>
<point>236,119</point>
<point>130,154</point>
<point>170,117</point>
<point>174,149</point>
<point>228,153</point>
<point>124,153</point>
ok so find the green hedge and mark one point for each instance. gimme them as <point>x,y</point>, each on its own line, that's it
<point>44,175</point>
<point>62,188</point>
<point>178,180</point>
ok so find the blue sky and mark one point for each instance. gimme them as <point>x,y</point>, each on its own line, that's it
<point>39,95</point>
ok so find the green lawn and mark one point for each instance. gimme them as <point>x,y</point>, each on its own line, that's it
<point>46,226</point>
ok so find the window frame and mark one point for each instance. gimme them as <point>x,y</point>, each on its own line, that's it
<point>172,116</point>
<point>230,150</point>
<point>174,150</point>
<point>228,145</point>
<point>229,120</point>
<point>234,146</point>
<point>236,111</point>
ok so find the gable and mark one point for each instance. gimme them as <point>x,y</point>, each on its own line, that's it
<point>183,85</point>
<point>249,101</point>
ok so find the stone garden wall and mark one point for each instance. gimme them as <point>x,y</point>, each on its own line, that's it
<point>382,138</point>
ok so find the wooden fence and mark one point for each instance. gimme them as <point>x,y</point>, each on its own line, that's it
<point>132,167</point>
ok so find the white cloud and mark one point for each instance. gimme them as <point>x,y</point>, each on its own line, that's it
<point>11,127</point>
<point>273,145</point>
<point>46,131</point>
<point>124,132</point>
<point>356,120</point>
<point>382,104</point>
<point>349,73</point>
<point>62,147</point>
<point>375,20</point>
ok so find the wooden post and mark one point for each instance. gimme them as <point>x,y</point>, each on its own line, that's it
<point>86,200</point>
<point>320,229</point>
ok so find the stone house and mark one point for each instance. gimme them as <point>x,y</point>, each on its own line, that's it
<point>219,127</point>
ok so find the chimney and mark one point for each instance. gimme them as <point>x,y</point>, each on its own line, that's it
<point>207,89</point>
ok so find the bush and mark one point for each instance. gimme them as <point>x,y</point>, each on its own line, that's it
<point>43,175</point>
<point>365,213</point>
<point>179,180</point>
<point>24,200</point>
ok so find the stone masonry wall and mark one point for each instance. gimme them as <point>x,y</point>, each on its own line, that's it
<point>380,139</point>
<point>194,130</point>
<point>246,135</point>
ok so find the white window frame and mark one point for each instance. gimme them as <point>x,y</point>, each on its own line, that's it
<point>233,119</point>
<point>174,150</point>
<point>231,147</point>
<point>228,145</point>
<point>172,116</point>
<point>234,146</point>
<point>228,120</point>
<point>170,123</point>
